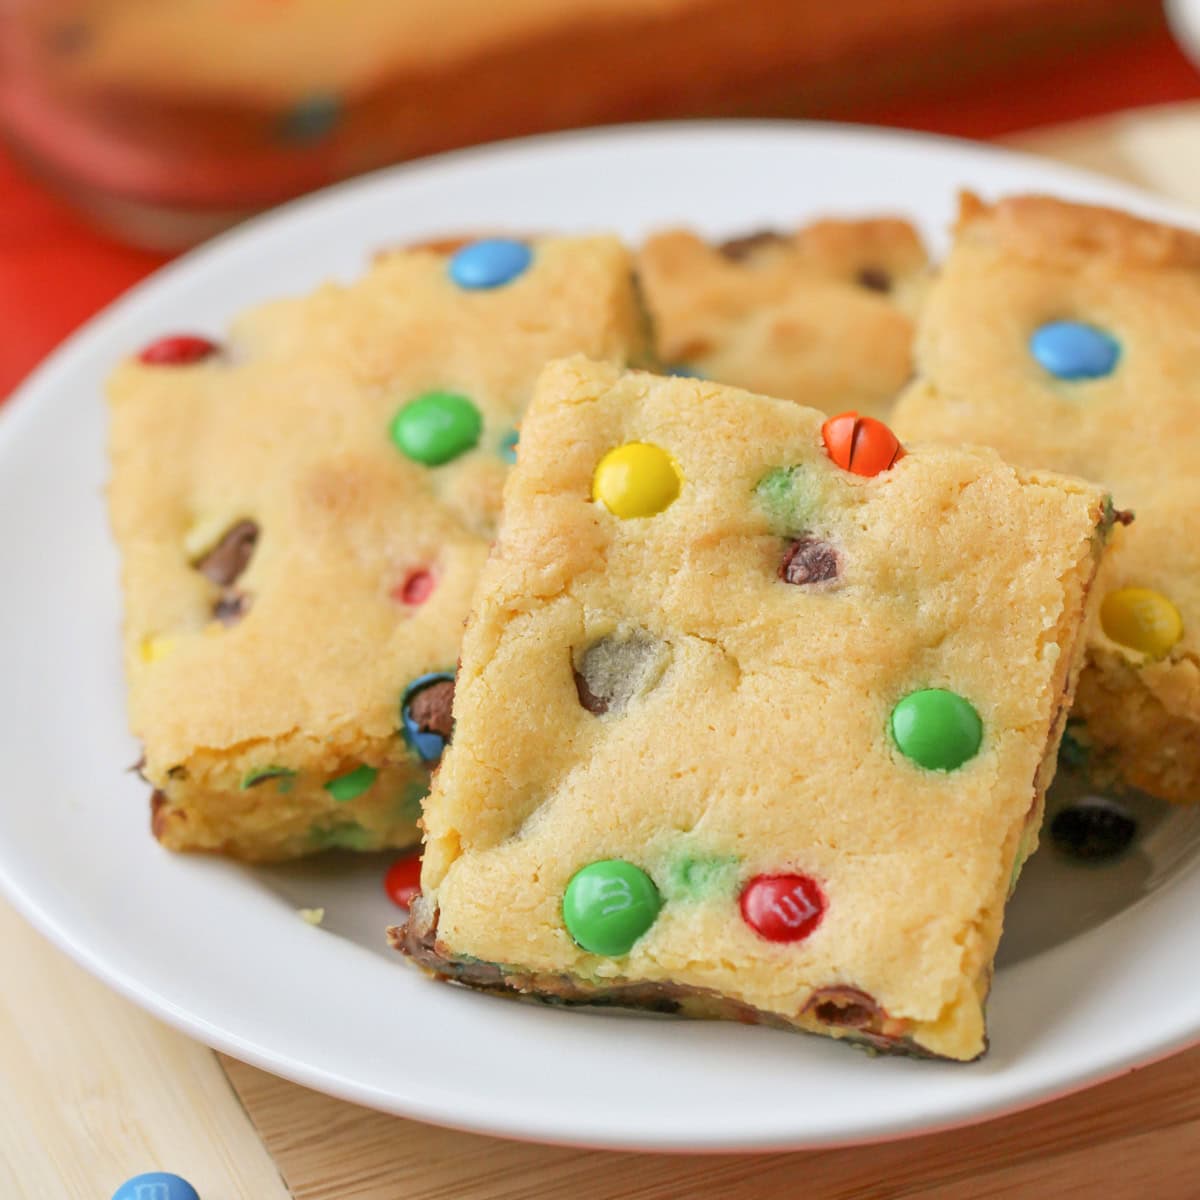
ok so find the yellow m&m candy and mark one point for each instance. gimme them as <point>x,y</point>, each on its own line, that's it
<point>154,648</point>
<point>1142,619</point>
<point>636,480</point>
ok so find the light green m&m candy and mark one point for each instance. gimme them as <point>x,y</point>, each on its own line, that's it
<point>437,427</point>
<point>609,905</point>
<point>937,729</point>
<point>351,785</point>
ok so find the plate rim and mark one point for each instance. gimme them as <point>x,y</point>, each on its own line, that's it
<point>21,408</point>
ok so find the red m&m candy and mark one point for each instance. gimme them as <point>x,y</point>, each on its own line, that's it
<point>178,350</point>
<point>782,908</point>
<point>860,445</point>
<point>403,880</point>
<point>416,587</point>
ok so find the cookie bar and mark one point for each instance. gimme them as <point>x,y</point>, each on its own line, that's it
<point>823,316</point>
<point>1064,336</point>
<point>755,714</point>
<point>302,514</point>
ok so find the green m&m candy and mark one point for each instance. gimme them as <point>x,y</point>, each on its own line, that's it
<point>436,427</point>
<point>351,785</point>
<point>937,729</point>
<point>608,905</point>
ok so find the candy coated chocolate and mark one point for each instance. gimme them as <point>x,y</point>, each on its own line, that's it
<point>403,880</point>
<point>609,905</point>
<point>490,263</point>
<point>1142,619</point>
<point>860,445</point>
<point>1074,350</point>
<point>436,428</point>
<point>425,714</point>
<point>156,1185</point>
<point>783,908</point>
<point>178,350</point>
<point>351,785</point>
<point>636,480</point>
<point>937,729</point>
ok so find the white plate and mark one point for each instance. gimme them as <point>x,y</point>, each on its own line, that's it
<point>1099,969</point>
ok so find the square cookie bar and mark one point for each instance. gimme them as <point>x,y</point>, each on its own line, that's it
<point>822,316</point>
<point>755,714</point>
<point>1065,337</point>
<point>302,514</point>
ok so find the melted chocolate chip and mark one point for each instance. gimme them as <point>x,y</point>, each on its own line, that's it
<point>431,708</point>
<point>809,560</point>
<point>874,279</point>
<point>740,248</point>
<point>231,555</point>
<point>1092,830</point>
<point>615,669</point>
<point>158,819</point>
<point>231,607</point>
<point>846,1007</point>
<point>593,703</point>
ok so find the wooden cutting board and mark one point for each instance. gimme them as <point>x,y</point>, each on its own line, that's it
<point>92,1090</point>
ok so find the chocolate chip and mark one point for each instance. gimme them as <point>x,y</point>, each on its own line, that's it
<point>846,1007</point>
<point>1123,516</point>
<point>431,708</point>
<point>1092,830</point>
<point>158,819</point>
<point>589,700</point>
<point>231,607</point>
<point>875,279</point>
<point>231,555</point>
<point>809,560</point>
<point>613,670</point>
<point>740,248</point>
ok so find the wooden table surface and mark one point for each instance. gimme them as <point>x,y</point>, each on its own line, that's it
<point>92,1090</point>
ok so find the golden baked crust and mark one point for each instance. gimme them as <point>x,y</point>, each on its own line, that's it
<point>758,742</point>
<point>822,316</point>
<point>289,428</point>
<point>1032,259</point>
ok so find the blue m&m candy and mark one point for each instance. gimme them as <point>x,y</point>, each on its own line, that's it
<point>1073,350</point>
<point>490,263</point>
<point>426,714</point>
<point>156,1185</point>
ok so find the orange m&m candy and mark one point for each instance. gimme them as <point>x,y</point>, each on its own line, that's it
<point>861,445</point>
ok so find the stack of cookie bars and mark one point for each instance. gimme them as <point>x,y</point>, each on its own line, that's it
<point>758,698</point>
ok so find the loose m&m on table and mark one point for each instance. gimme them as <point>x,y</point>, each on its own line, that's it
<point>156,1185</point>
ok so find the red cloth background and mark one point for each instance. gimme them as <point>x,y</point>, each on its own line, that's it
<point>55,271</point>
